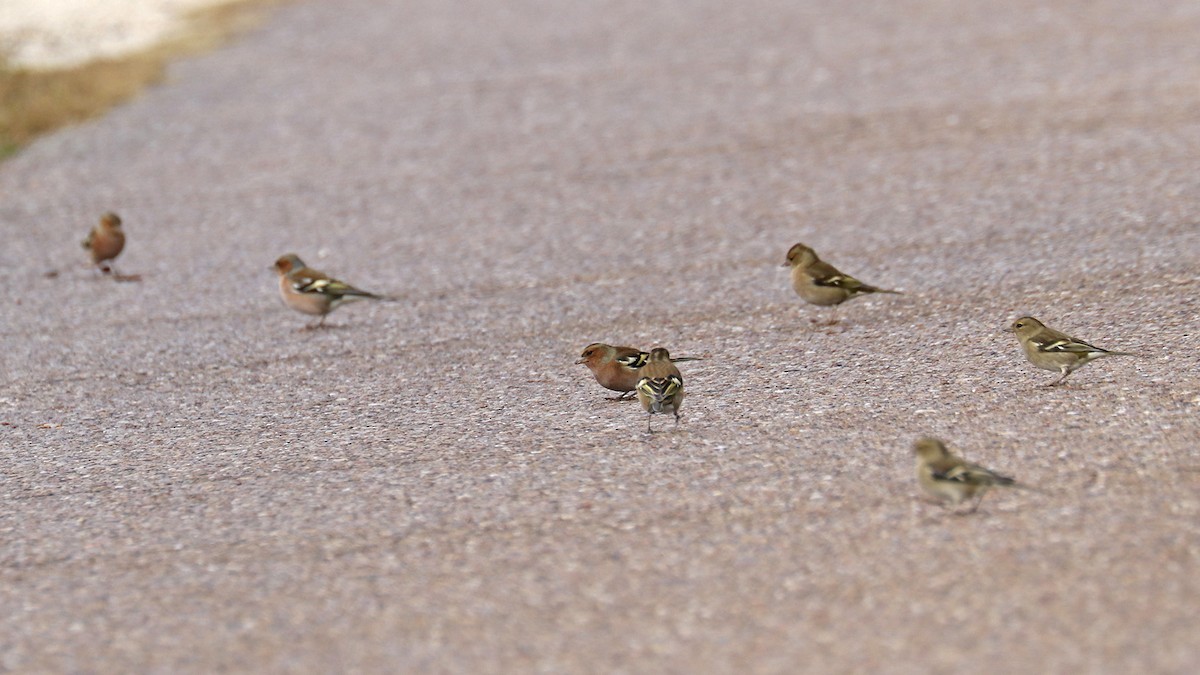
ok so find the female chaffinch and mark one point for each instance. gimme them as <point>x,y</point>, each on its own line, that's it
<point>1049,349</point>
<point>660,386</point>
<point>819,283</point>
<point>948,478</point>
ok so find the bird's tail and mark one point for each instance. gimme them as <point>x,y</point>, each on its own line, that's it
<point>1025,486</point>
<point>875,289</point>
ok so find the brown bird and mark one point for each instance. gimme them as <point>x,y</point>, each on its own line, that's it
<point>105,241</point>
<point>616,368</point>
<point>819,283</point>
<point>952,479</point>
<point>660,386</point>
<point>313,292</point>
<point>1049,349</point>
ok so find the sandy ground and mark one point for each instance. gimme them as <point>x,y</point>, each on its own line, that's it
<point>62,33</point>
<point>192,484</point>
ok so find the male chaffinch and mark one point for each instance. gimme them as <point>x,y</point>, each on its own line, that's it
<point>660,386</point>
<point>948,478</point>
<point>105,241</point>
<point>311,291</point>
<point>616,368</point>
<point>1049,349</point>
<point>820,283</point>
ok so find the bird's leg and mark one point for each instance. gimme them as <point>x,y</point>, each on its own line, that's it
<point>831,321</point>
<point>827,322</point>
<point>649,416</point>
<point>624,396</point>
<point>1061,378</point>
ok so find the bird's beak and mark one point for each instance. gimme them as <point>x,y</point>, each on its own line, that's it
<point>580,360</point>
<point>786,264</point>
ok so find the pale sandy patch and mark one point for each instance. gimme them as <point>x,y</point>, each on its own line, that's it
<point>64,33</point>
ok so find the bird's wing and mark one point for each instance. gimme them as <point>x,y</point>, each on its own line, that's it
<point>971,474</point>
<point>312,281</point>
<point>632,358</point>
<point>660,388</point>
<point>1063,344</point>
<point>824,274</point>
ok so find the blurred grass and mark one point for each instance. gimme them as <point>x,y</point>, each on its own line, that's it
<point>38,101</point>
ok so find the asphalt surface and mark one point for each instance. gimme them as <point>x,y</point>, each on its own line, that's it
<point>192,483</point>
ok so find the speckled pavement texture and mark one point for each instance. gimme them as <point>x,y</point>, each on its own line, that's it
<point>190,483</point>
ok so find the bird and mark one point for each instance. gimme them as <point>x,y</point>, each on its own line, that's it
<point>616,368</point>
<point>659,386</point>
<point>1049,349</point>
<point>311,291</point>
<point>948,478</point>
<point>105,241</point>
<point>819,283</point>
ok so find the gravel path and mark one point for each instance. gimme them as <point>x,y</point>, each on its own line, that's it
<point>192,484</point>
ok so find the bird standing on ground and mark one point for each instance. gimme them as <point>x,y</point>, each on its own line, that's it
<point>311,291</point>
<point>105,241</point>
<point>659,386</point>
<point>616,368</point>
<point>952,479</point>
<point>1049,349</point>
<point>820,283</point>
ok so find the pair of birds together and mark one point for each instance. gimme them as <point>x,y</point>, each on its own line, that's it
<point>302,288</point>
<point>820,283</point>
